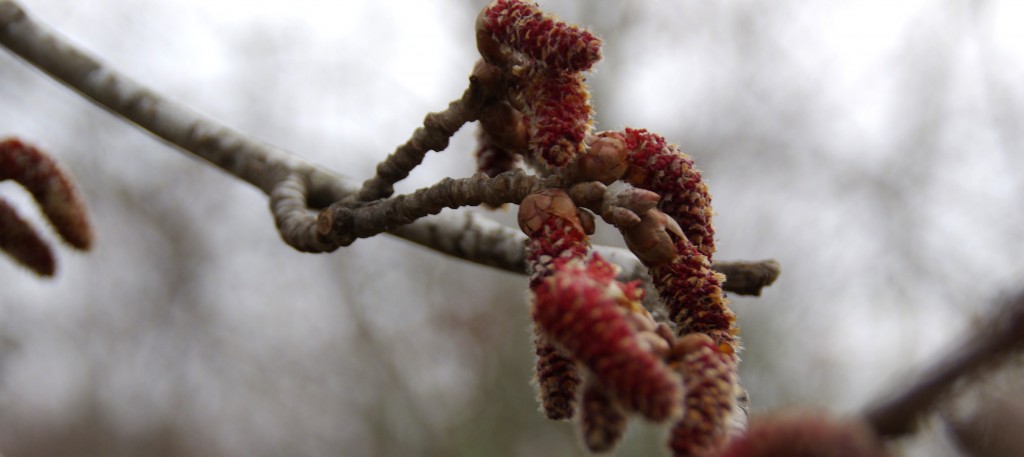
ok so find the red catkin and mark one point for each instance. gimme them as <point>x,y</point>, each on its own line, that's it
<point>558,379</point>
<point>51,187</point>
<point>526,29</point>
<point>709,371</point>
<point>602,421</point>
<point>551,221</point>
<point>660,167</point>
<point>581,313</point>
<point>692,293</point>
<point>558,116</point>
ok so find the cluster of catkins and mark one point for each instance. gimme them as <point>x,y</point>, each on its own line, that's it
<point>600,353</point>
<point>53,189</point>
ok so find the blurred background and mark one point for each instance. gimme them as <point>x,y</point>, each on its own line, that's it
<point>872,147</point>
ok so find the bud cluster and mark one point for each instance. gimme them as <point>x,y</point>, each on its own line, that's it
<point>544,59</point>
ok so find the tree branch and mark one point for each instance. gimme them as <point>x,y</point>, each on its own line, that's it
<point>291,182</point>
<point>1001,335</point>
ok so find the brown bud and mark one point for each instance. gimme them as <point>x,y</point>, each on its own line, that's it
<point>605,159</point>
<point>652,238</point>
<point>537,208</point>
<point>636,200</point>
<point>489,47</point>
<point>589,194</point>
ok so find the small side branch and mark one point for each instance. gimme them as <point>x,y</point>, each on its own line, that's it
<point>344,222</point>
<point>748,278</point>
<point>434,135</point>
<point>1001,335</point>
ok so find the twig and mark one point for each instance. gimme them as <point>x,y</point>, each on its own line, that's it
<point>465,235</point>
<point>1002,334</point>
<point>345,222</point>
<point>748,278</point>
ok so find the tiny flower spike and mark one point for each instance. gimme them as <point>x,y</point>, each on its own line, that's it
<point>550,220</point>
<point>709,371</point>
<point>523,27</point>
<point>558,114</point>
<point>602,421</point>
<point>693,295</point>
<point>708,359</point>
<point>52,188</point>
<point>660,167</point>
<point>558,379</point>
<point>578,308</point>
<point>690,289</point>
<point>583,311</point>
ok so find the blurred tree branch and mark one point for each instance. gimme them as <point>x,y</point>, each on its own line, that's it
<point>297,187</point>
<point>998,337</point>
